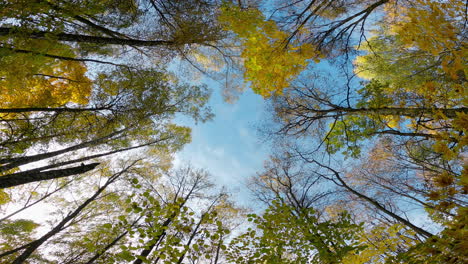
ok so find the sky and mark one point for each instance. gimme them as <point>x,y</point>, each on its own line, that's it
<point>228,146</point>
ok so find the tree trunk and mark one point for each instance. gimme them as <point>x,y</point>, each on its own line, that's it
<point>385,111</point>
<point>20,178</point>
<point>189,242</point>
<point>63,57</point>
<point>409,112</point>
<point>51,109</point>
<point>11,163</point>
<point>100,155</point>
<point>37,243</point>
<point>145,252</point>
<point>405,222</point>
<point>91,39</point>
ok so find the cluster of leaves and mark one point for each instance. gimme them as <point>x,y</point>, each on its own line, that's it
<point>39,81</point>
<point>270,62</point>
<point>285,235</point>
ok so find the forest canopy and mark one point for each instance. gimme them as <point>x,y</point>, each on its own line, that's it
<point>367,125</point>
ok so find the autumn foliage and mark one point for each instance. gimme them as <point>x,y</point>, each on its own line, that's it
<point>368,130</point>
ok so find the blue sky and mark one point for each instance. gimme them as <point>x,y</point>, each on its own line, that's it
<point>229,146</point>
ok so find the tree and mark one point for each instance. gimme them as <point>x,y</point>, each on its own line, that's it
<point>447,247</point>
<point>40,81</point>
<point>89,106</point>
<point>381,243</point>
<point>284,235</point>
<point>302,185</point>
<point>418,57</point>
<point>309,106</point>
<point>366,151</point>
<point>409,103</point>
<point>268,67</point>
<point>107,23</point>
<point>285,177</point>
<point>28,249</point>
<point>131,110</point>
<point>277,49</point>
<point>50,98</point>
<point>16,233</point>
<point>149,214</point>
<point>410,94</point>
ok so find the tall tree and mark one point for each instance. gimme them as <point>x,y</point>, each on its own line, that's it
<point>150,218</point>
<point>129,110</point>
<point>49,97</point>
<point>25,251</point>
<point>284,235</point>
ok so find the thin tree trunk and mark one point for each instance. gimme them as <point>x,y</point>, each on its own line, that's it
<point>406,134</point>
<point>108,246</point>
<point>145,252</point>
<point>85,21</point>
<point>59,227</point>
<point>192,236</point>
<point>362,14</point>
<point>91,39</point>
<point>218,249</point>
<point>51,109</point>
<point>100,155</point>
<point>20,178</point>
<point>417,229</point>
<point>35,202</point>
<point>64,57</point>
<point>194,233</point>
<point>385,111</point>
<point>409,112</point>
<point>99,254</point>
<point>11,163</point>
<point>414,199</point>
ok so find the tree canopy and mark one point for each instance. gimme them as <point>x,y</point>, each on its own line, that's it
<point>367,126</point>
